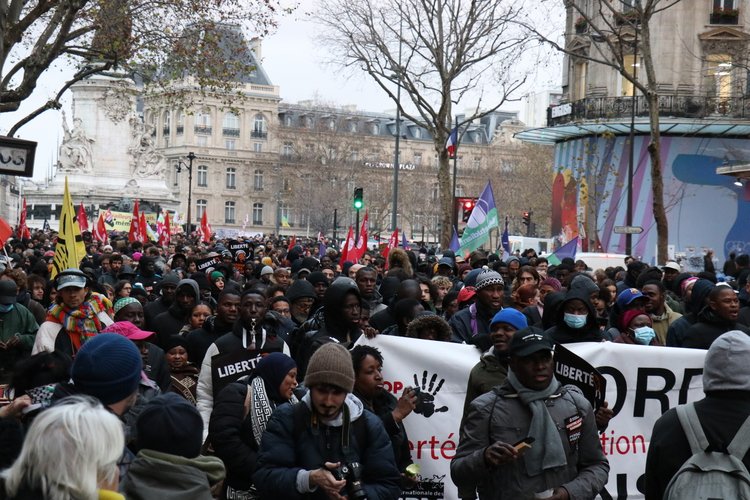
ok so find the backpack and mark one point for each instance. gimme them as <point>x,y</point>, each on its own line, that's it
<point>710,474</point>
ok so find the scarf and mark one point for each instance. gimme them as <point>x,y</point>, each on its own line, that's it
<point>261,408</point>
<point>81,323</point>
<point>547,452</point>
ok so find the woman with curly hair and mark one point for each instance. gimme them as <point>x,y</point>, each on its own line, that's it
<point>429,327</point>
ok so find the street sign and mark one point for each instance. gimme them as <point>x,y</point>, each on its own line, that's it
<point>628,229</point>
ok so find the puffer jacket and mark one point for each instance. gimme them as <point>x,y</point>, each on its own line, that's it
<point>500,415</point>
<point>155,475</point>
<point>485,375</point>
<point>284,457</point>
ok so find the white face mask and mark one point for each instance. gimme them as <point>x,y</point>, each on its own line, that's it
<point>644,335</point>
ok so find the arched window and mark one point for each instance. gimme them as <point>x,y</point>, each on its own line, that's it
<point>229,212</point>
<point>231,125</point>
<point>260,127</point>
<point>203,122</point>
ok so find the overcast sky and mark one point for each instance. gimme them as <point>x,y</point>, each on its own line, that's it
<point>293,61</point>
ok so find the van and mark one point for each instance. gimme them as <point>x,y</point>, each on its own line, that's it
<point>596,261</point>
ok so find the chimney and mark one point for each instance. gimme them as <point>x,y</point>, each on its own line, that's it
<point>255,46</point>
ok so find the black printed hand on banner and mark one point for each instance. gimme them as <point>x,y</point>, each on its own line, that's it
<point>426,395</point>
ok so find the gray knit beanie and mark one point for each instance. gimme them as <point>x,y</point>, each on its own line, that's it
<point>487,278</point>
<point>585,284</point>
<point>725,367</point>
<point>331,364</point>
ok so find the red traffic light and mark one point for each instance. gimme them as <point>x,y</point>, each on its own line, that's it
<point>468,205</point>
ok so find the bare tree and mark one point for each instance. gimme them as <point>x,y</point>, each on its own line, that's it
<point>439,52</point>
<point>95,36</point>
<point>620,29</point>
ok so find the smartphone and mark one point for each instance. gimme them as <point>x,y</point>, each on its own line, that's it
<point>524,444</point>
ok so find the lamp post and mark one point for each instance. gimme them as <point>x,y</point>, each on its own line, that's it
<point>396,163</point>
<point>629,208</point>
<point>189,166</point>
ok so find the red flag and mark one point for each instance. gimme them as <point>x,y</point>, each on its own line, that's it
<point>348,246</point>
<point>83,221</point>
<point>5,231</point>
<point>292,243</point>
<point>205,228</point>
<point>392,243</point>
<point>23,229</point>
<point>142,228</point>
<point>166,232</point>
<point>135,234</point>
<point>361,247</point>
<point>100,230</point>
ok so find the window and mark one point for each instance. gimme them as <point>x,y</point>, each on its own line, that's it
<point>287,149</point>
<point>180,122</point>
<point>230,144</point>
<point>165,118</point>
<point>631,67</point>
<point>258,214</point>
<point>332,124</point>
<point>417,159</point>
<point>201,140</point>
<point>229,212</point>
<point>719,75</point>
<point>375,128</point>
<point>285,214</point>
<point>477,162</point>
<point>725,12</point>
<point>288,120</point>
<point>203,122</point>
<point>231,125</point>
<point>417,132</point>
<point>200,209</point>
<point>231,178</point>
<point>353,127</point>
<point>258,180</point>
<point>258,147</point>
<point>579,81</point>
<point>260,128</point>
<point>287,185</point>
<point>203,175</point>
<point>176,178</point>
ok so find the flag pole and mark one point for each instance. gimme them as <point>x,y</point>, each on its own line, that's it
<point>7,257</point>
<point>455,168</point>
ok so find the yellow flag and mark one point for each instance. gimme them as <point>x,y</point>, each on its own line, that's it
<point>70,249</point>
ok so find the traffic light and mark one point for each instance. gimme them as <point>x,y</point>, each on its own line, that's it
<point>526,218</point>
<point>468,206</point>
<point>358,199</point>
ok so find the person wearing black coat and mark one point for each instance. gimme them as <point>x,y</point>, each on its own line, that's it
<point>241,412</point>
<point>575,320</point>
<point>717,317</point>
<point>694,304</point>
<point>227,312</point>
<point>167,290</point>
<point>171,322</point>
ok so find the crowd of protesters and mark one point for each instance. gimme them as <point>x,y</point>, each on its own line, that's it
<point>197,363</point>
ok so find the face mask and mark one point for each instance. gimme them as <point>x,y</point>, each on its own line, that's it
<point>644,335</point>
<point>4,308</point>
<point>575,321</point>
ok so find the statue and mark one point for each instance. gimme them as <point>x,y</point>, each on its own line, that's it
<point>75,151</point>
<point>146,162</point>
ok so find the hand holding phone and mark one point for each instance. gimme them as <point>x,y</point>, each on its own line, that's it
<point>524,444</point>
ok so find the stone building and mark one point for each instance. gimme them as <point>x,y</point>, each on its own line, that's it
<point>700,52</point>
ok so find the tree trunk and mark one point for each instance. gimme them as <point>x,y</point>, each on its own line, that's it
<point>445,188</point>
<point>657,181</point>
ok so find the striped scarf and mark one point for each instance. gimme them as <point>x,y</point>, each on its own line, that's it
<point>83,322</point>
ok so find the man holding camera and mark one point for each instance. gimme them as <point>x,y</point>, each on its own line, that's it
<point>530,437</point>
<point>328,445</point>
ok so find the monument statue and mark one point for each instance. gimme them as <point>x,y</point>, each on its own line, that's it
<point>75,151</point>
<point>146,161</point>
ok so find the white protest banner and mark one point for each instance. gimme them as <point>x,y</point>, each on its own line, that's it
<point>642,383</point>
<point>441,371</point>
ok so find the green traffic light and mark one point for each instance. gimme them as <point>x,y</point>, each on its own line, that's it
<point>358,204</point>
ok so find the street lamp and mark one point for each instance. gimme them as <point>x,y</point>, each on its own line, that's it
<point>189,166</point>
<point>396,162</point>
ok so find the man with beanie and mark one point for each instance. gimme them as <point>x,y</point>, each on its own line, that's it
<point>169,465</point>
<point>472,324</point>
<point>564,461</point>
<point>304,443</point>
<point>726,383</point>
<point>301,295</point>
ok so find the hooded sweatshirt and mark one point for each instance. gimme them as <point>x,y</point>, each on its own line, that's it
<point>169,323</point>
<point>561,333</point>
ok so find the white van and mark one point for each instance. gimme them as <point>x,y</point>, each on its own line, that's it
<point>601,260</point>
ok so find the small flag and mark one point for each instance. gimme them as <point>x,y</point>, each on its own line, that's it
<point>567,250</point>
<point>23,229</point>
<point>166,233</point>
<point>361,246</point>
<point>292,243</point>
<point>143,228</point>
<point>284,221</point>
<point>134,233</point>
<point>452,143</point>
<point>247,219</point>
<point>109,219</point>
<point>392,243</point>
<point>83,221</point>
<point>205,228</point>
<point>321,250</point>
<point>482,220</point>
<point>404,243</point>
<point>505,238</point>
<point>5,231</point>
<point>455,242</point>
<point>348,246</point>
<point>100,230</point>
<point>70,249</point>
<point>45,227</point>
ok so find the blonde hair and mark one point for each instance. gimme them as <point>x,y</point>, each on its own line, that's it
<point>70,448</point>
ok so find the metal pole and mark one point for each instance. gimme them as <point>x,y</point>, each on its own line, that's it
<point>629,210</point>
<point>335,223</point>
<point>396,164</point>
<point>356,230</point>
<point>455,169</point>
<point>191,157</point>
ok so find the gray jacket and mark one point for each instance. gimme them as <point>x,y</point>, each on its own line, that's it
<point>500,416</point>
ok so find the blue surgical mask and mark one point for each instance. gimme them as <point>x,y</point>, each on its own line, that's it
<point>4,308</point>
<point>644,335</point>
<point>575,321</point>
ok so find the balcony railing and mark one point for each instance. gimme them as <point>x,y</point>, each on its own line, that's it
<point>260,134</point>
<point>203,129</point>
<point>165,131</point>
<point>231,132</point>
<point>180,129</point>
<point>678,106</point>
<point>724,16</point>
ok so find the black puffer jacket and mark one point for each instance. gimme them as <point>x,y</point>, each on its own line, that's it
<point>200,340</point>
<point>171,322</point>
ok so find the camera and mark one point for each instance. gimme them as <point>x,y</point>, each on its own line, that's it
<point>352,473</point>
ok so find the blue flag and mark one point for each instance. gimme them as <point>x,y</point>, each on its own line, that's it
<point>321,250</point>
<point>455,243</point>
<point>567,250</point>
<point>404,243</point>
<point>505,238</point>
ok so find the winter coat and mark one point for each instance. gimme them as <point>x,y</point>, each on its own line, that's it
<point>708,328</point>
<point>486,374</point>
<point>471,325</point>
<point>162,476</point>
<point>156,367</point>
<point>721,414</point>
<point>200,340</point>
<point>152,310</point>
<point>169,323</point>
<point>18,321</point>
<point>383,405</point>
<point>501,416</point>
<point>284,457</point>
<point>563,334</point>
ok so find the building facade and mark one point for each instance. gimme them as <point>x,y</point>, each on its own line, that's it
<point>700,57</point>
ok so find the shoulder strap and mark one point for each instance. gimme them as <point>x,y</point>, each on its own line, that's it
<point>692,427</point>
<point>741,441</point>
